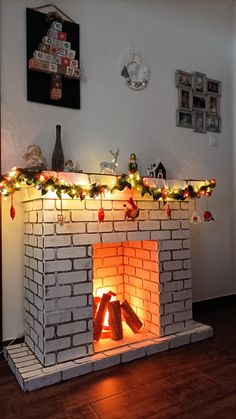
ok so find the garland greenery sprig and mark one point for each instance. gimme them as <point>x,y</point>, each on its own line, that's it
<point>17,179</point>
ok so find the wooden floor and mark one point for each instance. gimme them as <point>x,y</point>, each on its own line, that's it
<point>196,381</point>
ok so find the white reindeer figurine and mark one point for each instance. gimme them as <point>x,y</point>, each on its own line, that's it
<point>105,165</point>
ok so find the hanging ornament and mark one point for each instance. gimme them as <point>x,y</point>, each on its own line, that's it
<point>12,209</point>
<point>101,214</point>
<point>60,218</point>
<point>168,211</point>
<point>195,218</point>
<point>133,165</point>
<point>133,212</point>
<point>208,215</point>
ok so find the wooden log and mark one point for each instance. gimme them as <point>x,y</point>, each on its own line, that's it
<point>98,323</point>
<point>130,317</point>
<point>115,321</point>
<point>96,301</point>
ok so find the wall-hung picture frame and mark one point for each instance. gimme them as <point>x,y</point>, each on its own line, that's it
<point>199,102</point>
<point>214,86</point>
<point>213,123</point>
<point>199,83</point>
<point>53,75</point>
<point>183,79</point>
<point>199,121</point>
<point>213,104</point>
<point>185,99</point>
<point>184,119</point>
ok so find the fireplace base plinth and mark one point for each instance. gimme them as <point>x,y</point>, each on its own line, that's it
<point>31,375</point>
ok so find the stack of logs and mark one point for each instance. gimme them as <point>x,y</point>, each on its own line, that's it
<point>115,313</point>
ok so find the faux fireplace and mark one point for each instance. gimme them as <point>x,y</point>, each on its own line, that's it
<point>145,262</point>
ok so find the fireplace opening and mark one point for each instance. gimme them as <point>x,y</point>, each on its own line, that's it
<point>126,305</point>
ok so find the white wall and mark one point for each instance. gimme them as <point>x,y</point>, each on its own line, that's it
<point>170,34</point>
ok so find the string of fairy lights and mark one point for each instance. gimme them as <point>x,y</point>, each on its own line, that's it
<point>17,179</point>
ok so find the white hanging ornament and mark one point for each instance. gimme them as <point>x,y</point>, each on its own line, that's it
<point>134,72</point>
<point>195,217</point>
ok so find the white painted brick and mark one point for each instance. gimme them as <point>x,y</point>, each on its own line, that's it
<point>85,263</point>
<point>187,264</point>
<point>173,286</point>
<point>165,277</point>
<point>186,244</point>
<point>49,332</point>
<point>42,381</point>
<point>181,254</point>
<point>170,244</point>
<point>71,204</point>
<point>71,252</point>
<point>29,251</point>
<point>38,278</point>
<point>50,359</point>
<point>126,226</point>
<point>133,354</point>
<point>38,253</point>
<point>83,239</point>
<point>40,241</point>
<point>29,273</point>
<point>58,266</point>
<point>160,235</point>
<point>72,277</point>
<point>99,227</point>
<point>174,307</point>
<point>158,347</point>
<point>57,344</point>
<point>71,302</point>
<point>48,229</point>
<point>188,304</point>
<point>50,216</point>
<point>188,284</point>
<point>185,224</point>
<point>69,228</point>
<point>163,256</point>
<point>56,241</point>
<point>72,353</point>
<point>174,328</point>
<point>170,225</point>
<point>86,288</point>
<point>29,228</point>
<point>29,206</point>
<point>82,313</point>
<point>106,362</point>
<point>29,295</point>
<point>82,338</point>
<point>37,229</point>
<point>180,234</point>
<point>165,297</point>
<point>71,328</point>
<point>183,338</point>
<point>184,274</point>
<point>172,265</point>
<point>168,319</point>
<point>49,254</point>
<point>49,204</point>
<point>49,279</point>
<point>84,216</point>
<point>148,205</point>
<point>92,204</point>
<point>181,295</point>
<point>76,371</point>
<point>149,225</point>
<point>140,235</point>
<point>55,292</point>
<point>38,302</point>
<point>184,315</point>
<point>174,205</point>
<point>113,237</point>
<point>32,241</point>
<point>201,333</point>
<point>33,217</point>
<point>179,215</point>
<point>157,215</point>
<point>26,217</point>
<point>58,317</point>
<point>38,328</point>
<point>33,287</point>
<point>40,216</point>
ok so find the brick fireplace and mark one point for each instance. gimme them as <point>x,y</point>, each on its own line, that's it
<point>146,262</point>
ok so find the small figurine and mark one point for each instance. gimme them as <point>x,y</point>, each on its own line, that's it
<point>132,212</point>
<point>69,167</point>
<point>157,170</point>
<point>133,165</point>
<point>110,166</point>
<point>34,158</point>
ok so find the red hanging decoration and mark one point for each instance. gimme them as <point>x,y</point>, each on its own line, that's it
<point>12,209</point>
<point>208,215</point>
<point>168,211</point>
<point>101,214</point>
<point>132,212</point>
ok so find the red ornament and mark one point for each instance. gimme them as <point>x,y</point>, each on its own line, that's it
<point>101,214</point>
<point>168,211</point>
<point>12,209</point>
<point>208,216</point>
<point>132,212</point>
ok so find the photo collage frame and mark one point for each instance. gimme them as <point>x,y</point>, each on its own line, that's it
<point>198,102</point>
